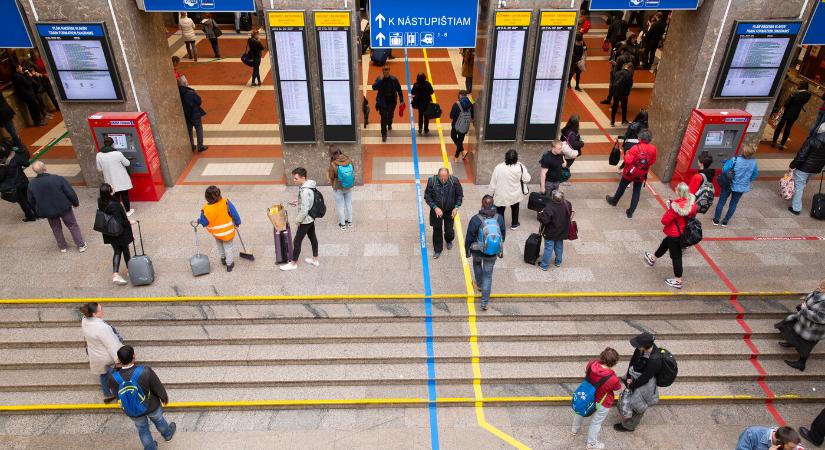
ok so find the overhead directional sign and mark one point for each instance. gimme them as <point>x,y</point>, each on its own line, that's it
<point>816,26</point>
<point>423,24</point>
<point>612,5</point>
<point>15,34</point>
<point>196,5</point>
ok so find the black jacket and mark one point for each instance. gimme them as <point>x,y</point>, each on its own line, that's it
<point>115,209</point>
<point>474,227</point>
<point>191,102</point>
<point>616,31</point>
<point>648,367</point>
<point>655,34</point>
<point>556,220</point>
<point>422,95</point>
<point>621,83</point>
<point>446,196</point>
<point>149,382</point>
<point>811,157</point>
<point>51,196</point>
<point>794,104</point>
<point>6,112</point>
<point>388,88</point>
<point>16,178</point>
<point>255,48</point>
<point>23,86</point>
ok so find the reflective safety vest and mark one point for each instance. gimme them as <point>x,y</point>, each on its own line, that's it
<point>220,222</point>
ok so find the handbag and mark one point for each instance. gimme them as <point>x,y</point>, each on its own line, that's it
<point>277,215</point>
<point>582,65</point>
<point>573,230</point>
<point>9,195</point>
<point>606,45</point>
<point>247,58</point>
<point>433,111</point>
<point>107,224</point>
<point>524,188</point>
<point>786,186</point>
<point>725,179</point>
<point>615,154</point>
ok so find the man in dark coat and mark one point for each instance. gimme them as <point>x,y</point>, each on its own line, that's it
<point>7,121</point>
<point>640,379</point>
<point>620,86</point>
<point>14,184</point>
<point>483,263</point>
<point>193,112</point>
<point>793,107</point>
<point>444,196</point>
<point>52,198</point>
<point>616,31</point>
<point>808,162</point>
<point>24,89</point>
<point>388,89</point>
<point>653,38</point>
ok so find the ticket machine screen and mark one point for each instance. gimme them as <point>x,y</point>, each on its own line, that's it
<point>127,144</point>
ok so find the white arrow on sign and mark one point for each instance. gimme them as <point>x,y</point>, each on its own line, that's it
<point>380,19</point>
<point>380,38</point>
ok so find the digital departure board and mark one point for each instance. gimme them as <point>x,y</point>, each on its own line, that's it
<point>81,61</point>
<point>756,58</point>
<point>509,45</point>
<point>332,31</point>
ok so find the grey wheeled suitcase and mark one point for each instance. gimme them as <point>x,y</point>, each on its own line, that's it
<point>283,245</point>
<point>141,270</point>
<point>198,262</point>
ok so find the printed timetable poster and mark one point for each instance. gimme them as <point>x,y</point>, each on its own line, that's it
<point>81,61</point>
<point>756,59</point>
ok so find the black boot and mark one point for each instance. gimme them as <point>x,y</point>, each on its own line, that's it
<point>798,365</point>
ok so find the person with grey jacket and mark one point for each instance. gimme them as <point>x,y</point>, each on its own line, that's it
<point>212,32</point>
<point>306,223</point>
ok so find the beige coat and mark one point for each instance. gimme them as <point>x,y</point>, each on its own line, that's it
<point>505,184</point>
<point>102,344</point>
<point>113,165</point>
<point>187,28</point>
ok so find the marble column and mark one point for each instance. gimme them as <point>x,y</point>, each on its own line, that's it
<point>490,154</point>
<point>688,59</point>
<point>314,157</point>
<point>152,84</point>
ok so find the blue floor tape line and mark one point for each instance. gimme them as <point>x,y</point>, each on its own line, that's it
<point>425,266</point>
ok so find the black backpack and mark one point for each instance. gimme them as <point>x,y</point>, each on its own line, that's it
<point>318,209</point>
<point>692,234</point>
<point>668,371</point>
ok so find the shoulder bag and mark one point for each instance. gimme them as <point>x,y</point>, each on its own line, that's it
<point>725,178</point>
<point>524,188</point>
<point>573,230</point>
<point>107,224</point>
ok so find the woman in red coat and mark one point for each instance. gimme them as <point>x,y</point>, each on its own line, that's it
<point>674,221</point>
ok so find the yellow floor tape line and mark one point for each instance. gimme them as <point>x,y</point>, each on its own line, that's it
<point>551,400</point>
<point>471,311</point>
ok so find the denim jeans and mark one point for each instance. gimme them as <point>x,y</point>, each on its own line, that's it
<point>800,179</point>
<point>596,421</point>
<point>723,197</point>
<point>549,248</point>
<point>104,382</point>
<point>142,425</point>
<point>226,249</point>
<point>483,270</point>
<point>15,138</point>
<point>343,203</point>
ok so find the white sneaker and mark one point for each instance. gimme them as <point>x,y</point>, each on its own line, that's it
<point>83,248</point>
<point>312,261</point>
<point>119,280</point>
<point>130,212</point>
<point>64,250</point>
<point>289,266</point>
<point>595,446</point>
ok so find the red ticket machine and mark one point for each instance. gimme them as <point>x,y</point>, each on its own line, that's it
<point>132,135</point>
<point>719,132</point>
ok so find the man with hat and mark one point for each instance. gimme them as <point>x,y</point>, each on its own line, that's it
<point>641,392</point>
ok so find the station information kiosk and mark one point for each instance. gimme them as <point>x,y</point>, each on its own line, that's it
<point>719,132</point>
<point>132,135</point>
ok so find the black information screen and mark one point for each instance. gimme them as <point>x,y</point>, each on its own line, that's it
<point>332,32</point>
<point>509,46</point>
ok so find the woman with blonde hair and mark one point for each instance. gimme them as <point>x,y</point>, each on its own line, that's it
<point>679,210</point>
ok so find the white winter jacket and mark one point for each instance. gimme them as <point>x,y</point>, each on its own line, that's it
<point>505,184</point>
<point>113,165</point>
<point>102,344</point>
<point>187,28</point>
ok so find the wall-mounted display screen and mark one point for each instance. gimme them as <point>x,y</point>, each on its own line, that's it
<point>756,58</point>
<point>81,61</point>
<point>510,42</point>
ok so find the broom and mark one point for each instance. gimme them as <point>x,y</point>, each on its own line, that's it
<point>244,255</point>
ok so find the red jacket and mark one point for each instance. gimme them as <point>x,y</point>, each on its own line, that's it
<point>677,214</point>
<point>597,372</point>
<point>633,154</point>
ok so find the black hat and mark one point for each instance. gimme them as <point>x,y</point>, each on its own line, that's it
<point>643,340</point>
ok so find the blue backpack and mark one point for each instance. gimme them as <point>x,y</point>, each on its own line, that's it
<point>346,175</point>
<point>130,395</point>
<point>489,238</point>
<point>584,399</point>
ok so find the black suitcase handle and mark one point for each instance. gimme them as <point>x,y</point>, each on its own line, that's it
<point>134,246</point>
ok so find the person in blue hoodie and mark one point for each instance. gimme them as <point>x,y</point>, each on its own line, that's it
<point>744,173</point>
<point>484,261</point>
<point>462,105</point>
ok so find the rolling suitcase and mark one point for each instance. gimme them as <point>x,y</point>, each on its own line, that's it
<point>141,270</point>
<point>532,249</point>
<point>818,202</point>
<point>283,245</point>
<point>199,263</point>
